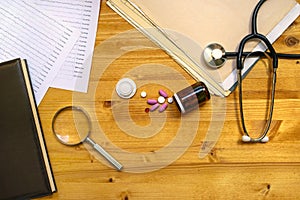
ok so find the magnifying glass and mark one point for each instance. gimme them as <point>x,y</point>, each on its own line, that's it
<point>72,125</point>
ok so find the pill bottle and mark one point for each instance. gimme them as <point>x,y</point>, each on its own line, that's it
<point>191,97</point>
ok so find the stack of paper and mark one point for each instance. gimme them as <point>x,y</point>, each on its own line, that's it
<point>55,37</point>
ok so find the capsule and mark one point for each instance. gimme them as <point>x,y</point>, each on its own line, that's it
<point>154,107</point>
<point>152,101</point>
<point>163,93</point>
<point>163,107</point>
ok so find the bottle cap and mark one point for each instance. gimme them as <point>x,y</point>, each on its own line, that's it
<point>126,88</point>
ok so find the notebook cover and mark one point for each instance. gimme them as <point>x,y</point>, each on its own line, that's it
<point>25,170</point>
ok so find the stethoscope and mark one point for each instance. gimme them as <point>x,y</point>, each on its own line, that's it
<point>215,56</point>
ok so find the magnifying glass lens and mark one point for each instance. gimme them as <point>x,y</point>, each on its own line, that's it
<point>71,126</point>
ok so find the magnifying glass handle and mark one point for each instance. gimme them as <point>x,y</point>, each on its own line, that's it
<point>105,154</point>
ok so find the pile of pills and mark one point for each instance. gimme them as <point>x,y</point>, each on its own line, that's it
<point>126,88</point>
<point>161,103</point>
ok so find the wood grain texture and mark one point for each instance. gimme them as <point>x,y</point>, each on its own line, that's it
<point>232,170</point>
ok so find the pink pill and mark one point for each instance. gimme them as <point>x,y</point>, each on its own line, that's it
<point>163,107</point>
<point>154,107</point>
<point>152,101</point>
<point>163,93</point>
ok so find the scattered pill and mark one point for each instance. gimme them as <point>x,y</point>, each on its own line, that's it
<point>170,100</point>
<point>163,93</point>
<point>143,94</point>
<point>154,107</point>
<point>163,107</point>
<point>161,99</point>
<point>161,102</point>
<point>152,101</point>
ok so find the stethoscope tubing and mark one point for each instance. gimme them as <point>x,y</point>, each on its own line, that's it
<point>261,54</point>
<point>215,56</point>
<point>254,35</point>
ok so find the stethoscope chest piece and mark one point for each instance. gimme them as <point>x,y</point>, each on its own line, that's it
<point>213,55</point>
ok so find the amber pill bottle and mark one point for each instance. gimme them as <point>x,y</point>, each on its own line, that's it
<point>191,97</point>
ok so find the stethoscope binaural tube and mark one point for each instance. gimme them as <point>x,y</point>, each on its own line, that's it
<point>256,36</point>
<point>212,57</point>
<point>263,138</point>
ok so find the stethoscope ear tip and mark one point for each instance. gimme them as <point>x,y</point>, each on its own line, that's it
<point>246,138</point>
<point>265,139</point>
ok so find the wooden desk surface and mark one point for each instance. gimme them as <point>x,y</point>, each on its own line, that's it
<point>232,170</point>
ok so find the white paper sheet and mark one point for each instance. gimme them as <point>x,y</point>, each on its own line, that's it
<point>27,33</point>
<point>82,15</point>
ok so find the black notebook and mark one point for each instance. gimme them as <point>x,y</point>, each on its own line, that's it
<point>25,170</point>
